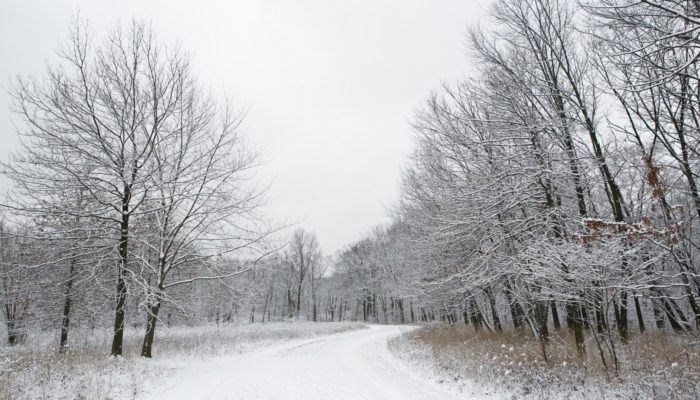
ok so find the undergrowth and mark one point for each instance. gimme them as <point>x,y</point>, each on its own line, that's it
<point>652,365</point>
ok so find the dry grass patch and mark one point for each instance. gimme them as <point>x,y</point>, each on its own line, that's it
<point>654,365</point>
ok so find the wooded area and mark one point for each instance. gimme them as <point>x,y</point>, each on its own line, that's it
<point>554,188</point>
<point>557,187</point>
<point>131,184</point>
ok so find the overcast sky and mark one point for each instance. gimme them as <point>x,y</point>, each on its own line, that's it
<point>329,85</point>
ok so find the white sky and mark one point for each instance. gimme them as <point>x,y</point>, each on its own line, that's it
<point>329,85</point>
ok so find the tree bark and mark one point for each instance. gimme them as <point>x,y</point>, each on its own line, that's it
<point>622,321</point>
<point>541,316</point>
<point>555,315</point>
<point>575,320</point>
<point>640,317</point>
<point>152,320</point>
<point>118,337</point>
<point>494,312</point>
<point>65,320</point>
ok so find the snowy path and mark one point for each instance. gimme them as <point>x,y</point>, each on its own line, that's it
<point>354,365</point>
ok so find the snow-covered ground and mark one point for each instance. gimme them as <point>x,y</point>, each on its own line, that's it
<point>290,360</point>
<point>351,365</point>
<point>34,370</point>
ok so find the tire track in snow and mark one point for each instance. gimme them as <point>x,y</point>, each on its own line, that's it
<point>354,365</point>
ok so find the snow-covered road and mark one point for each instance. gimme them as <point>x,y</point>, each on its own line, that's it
<point>354,365</point>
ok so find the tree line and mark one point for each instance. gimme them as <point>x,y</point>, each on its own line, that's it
<point>556,186</point>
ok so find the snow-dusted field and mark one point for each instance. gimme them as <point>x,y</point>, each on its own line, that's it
<point>291,360</point>
<point>353,365</point>
<point>505,366</point>
<point>35,371</point>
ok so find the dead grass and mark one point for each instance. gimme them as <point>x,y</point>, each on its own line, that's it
<point>653,365</point>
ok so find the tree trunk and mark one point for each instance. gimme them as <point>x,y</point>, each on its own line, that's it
<point>382,300</point>
<point>675,316</point>
<point>600,317</point>
<point>517,313</point>
<point>374,308</point>
<point>15,335</point>
<point>622,326</point>
<point>65,320</point>
<point>477,318</point>
<point>494,312</point>
<point>541,316</point>
<point>585,317</point>
<point>575,320</point>
<point>299,300</point>
<point>151,320</point>
<point>640,317</point>
<point>658,314</point>
<point>692,299</point>
<point>555,315</point>
<point>118,337</point>
<point>686,166</point>
<point>268,296</point>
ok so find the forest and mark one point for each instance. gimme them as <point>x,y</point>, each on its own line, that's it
<point>553,189</point>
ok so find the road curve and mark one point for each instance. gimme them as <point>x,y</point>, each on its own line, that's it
<point>353,365</point>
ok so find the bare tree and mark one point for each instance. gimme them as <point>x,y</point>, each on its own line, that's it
<point>202,206</point>
<point>317,272</point>
<point>92,125</point>
<point>304,256</point>
<point>18,282</point>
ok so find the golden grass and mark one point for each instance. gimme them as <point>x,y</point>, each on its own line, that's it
<point>652,365</point>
